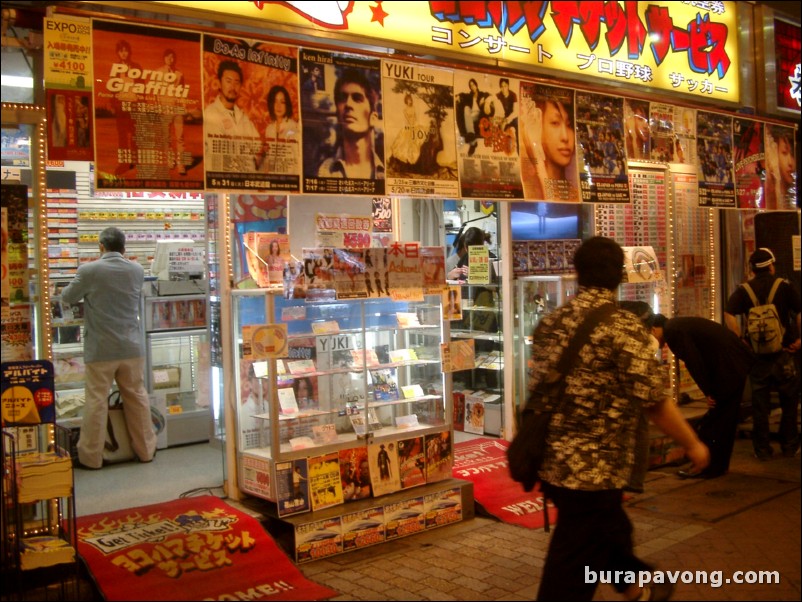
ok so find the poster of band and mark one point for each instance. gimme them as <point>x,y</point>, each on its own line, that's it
<point>250,98</point>
<point>781,182</point>
<point>548,143</point>
<point>673,131</point>
<point>714,164</point>
<point>68,87</point>
<point>602,160</point>
<point>341,108</point>
<point>419,141</point>
<point>486,111</point>
<point>147,95</point>
<point>750,164</point>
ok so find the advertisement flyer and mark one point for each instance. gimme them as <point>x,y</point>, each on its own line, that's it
<point>341,109</point>
<point>420,141</point>
<point>68,86</point>
<point>147,103</point>
<point>252,132</point>
<point>602,161</point>
<point>714,163</point>
<point>548,143</point>
<point>486,111</point>
<point>27,392</point>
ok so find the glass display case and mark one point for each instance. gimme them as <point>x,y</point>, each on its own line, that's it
<point>479,391</point>
<point>535,296</point>
<point>68,355</point>
<point>177,365</point>
<point>321,377</point>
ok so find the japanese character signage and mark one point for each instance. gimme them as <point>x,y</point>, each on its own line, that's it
<point>685,47</point>
<point>28,392</point>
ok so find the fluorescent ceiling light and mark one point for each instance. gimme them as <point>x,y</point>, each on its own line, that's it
<point>15,81</point>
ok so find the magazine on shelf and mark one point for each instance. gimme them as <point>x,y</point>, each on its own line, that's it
<point>363,528</point>
<point>412,391</point>
<point>411,462</point>
<point>385,384</point>
<point>355,473</point>
<point>404,518</point>
<point>287,402</point>
<point>325,488</point>
<point>439,456</point>
<point>292,487</point>
<point>383,462</point>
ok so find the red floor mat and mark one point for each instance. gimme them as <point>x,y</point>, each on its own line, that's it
<point>195,548</point>
<point>484,461</point>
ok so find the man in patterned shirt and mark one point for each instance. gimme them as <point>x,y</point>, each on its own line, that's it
<point>591,442</point>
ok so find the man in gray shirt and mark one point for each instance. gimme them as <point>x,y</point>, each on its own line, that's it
<point>110,288</point>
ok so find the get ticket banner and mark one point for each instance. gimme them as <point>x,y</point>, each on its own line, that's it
<point>147,106</point>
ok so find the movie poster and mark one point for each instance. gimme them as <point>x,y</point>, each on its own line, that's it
<point>148,126</point>
<point>420,142</point>
<point>714,162</point>
<point>251,126</point>
<point>486,110</point>
<point>341,108</point>
<point>750,164</point>
<point>548,143</point>
<point>602,160</point>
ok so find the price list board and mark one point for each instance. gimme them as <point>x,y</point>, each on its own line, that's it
<point>693,253</point>
<point>639,223</point>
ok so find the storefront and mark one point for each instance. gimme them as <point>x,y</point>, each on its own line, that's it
<point>660,154</point>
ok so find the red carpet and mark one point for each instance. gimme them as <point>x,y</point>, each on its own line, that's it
<point>484,461</point>
<point>195,548</point>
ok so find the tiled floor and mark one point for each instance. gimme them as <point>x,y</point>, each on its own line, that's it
<point>748,520</point>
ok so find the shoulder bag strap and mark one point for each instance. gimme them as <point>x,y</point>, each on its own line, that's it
<point>774,288</point>
<point>581,336</point>
<point>751,293</point>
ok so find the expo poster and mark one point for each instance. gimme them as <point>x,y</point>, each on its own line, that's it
<point>420,140</point>
<point>486,110</point>
<point>548,143</point>
<point>250,116</point>
<point>341,108</point>
<point>714,164</point>
<point>148,133</point>
<point>68,88</point>
<point>602,161</point>
<point>750,164</point>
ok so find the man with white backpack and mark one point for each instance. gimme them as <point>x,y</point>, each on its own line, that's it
<point>763,301</point>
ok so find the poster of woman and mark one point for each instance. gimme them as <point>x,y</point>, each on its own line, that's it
<point>548,143</point>
<point>781,182</point>
<point>750,165</point>
<point>420,142</point>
